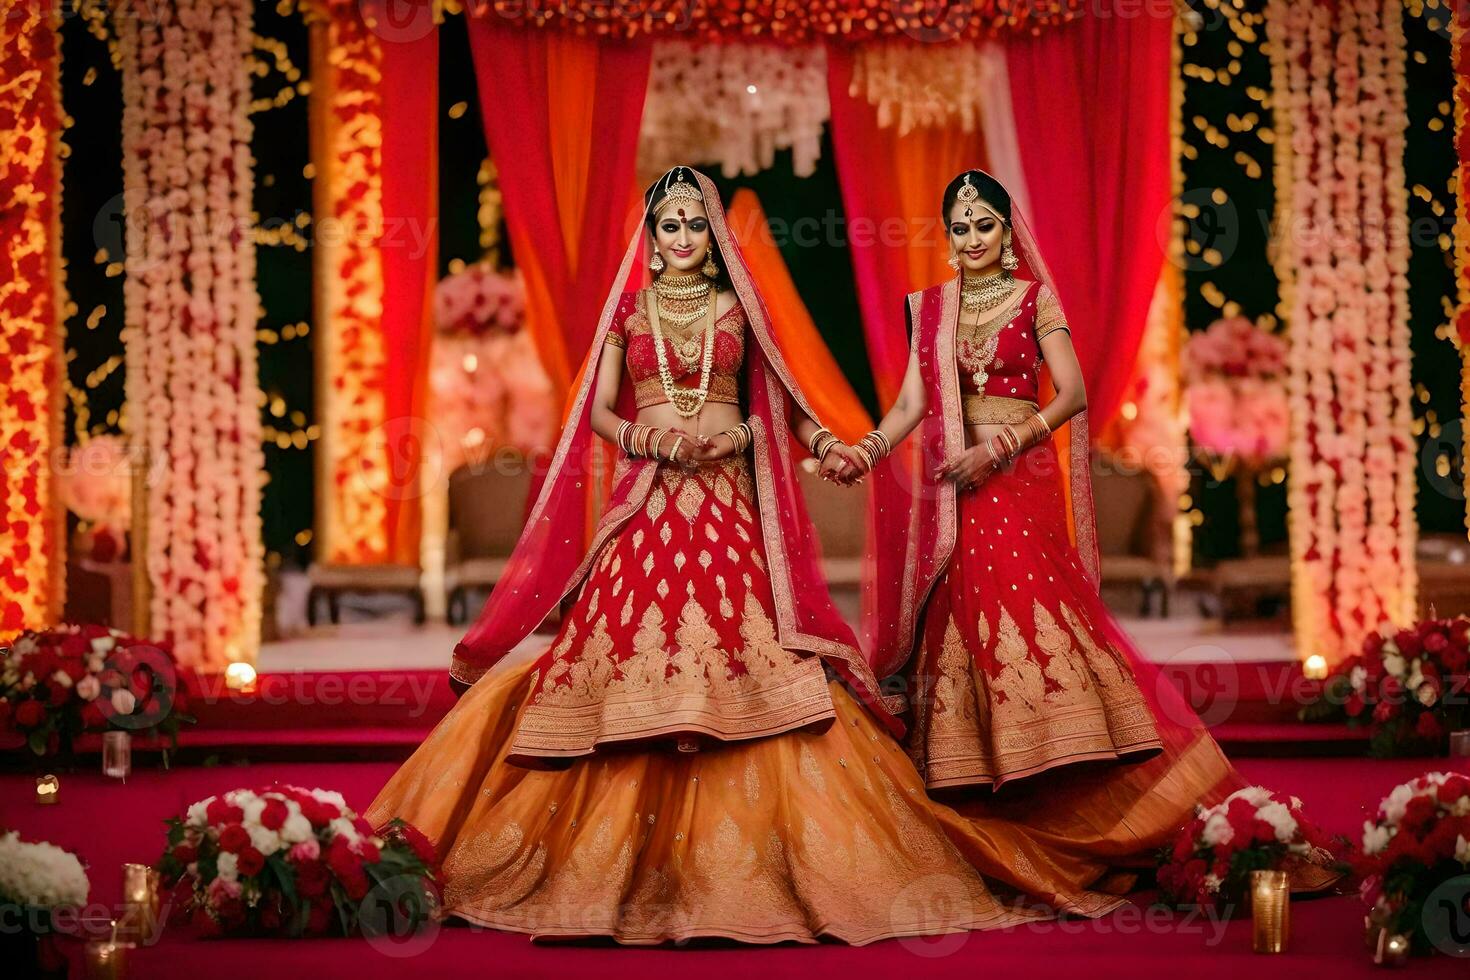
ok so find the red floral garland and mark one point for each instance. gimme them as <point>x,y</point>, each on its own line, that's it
<point>32,552</point>
<point>787,21</point>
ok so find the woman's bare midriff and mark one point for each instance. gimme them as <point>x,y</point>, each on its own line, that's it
<point>975,434</point>
<point>713,418</point>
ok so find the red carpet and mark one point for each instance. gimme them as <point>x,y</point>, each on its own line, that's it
<point>107,823</point>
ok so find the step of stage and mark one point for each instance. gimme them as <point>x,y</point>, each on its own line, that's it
<point>384,714</point>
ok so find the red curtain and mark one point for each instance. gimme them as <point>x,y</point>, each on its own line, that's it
<point>561,117</point>
<point>891,190</point>
<point>1091,103</point>
<point>409,257</point>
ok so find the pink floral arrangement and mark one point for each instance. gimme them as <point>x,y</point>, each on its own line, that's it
<point>1410,687</point>
<point>56,684</point>
<point>480,300</point>
<point>283,860</point>
<point>1419,839</point>
<point>1235,389</point>
<point>1252,829</point>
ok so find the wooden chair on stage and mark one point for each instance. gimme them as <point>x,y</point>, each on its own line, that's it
<point>331,582</point>
<point>1444,576</point>
<point>1133,534</point>
<point>487,509</point>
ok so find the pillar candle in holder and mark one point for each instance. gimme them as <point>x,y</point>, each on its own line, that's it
<point>117,754</point>
<point>1460,743</point>
<point>140,918</point>
<point>1270,911</point>
<point>48,789</point>
<point>106,959</point>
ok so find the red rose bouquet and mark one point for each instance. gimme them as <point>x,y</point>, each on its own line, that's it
<point>1419,843</point>
<point>1252,829</point>
<point>1408,687</point>
<point>290,861</point>
<point>56,684</point>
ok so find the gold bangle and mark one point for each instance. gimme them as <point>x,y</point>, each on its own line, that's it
<point>811,442</point>
<point>674,453</point>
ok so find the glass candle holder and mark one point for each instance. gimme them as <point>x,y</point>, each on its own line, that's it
<point>1460,744</point>
<point>140,917</point>
<point>106,959</point>
<point>48,789</point>
<point>117,754</point>
<point>1270,911</point>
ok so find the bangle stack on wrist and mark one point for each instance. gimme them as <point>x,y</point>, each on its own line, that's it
<point>740,436</point>
<point>1013,443</point>
<point>820,443</point>
<point>637,439</point>
<point>873,447</point>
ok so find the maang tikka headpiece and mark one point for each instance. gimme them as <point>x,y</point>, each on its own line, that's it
<point>678,190</point>
<point>967,195</point>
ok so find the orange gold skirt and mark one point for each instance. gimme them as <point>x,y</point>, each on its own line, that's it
<point>791,837</point>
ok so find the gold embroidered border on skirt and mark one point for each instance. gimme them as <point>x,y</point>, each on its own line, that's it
<point>672,632</point>
<point>789,838</point>
<point>974,729</point>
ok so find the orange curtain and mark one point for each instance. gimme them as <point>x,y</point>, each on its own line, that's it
<point>891,190</point>
<point>831,397</point>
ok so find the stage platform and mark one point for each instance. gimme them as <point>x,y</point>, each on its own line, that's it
<point>107,822</point>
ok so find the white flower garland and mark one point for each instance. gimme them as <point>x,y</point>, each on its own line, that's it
<point>735,105</point>
<point>1339,81</point>
<point>914,85</point>
<point>193,392</point>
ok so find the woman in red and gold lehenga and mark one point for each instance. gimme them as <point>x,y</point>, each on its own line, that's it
<point>703,749</point>
<point>1031,709</point>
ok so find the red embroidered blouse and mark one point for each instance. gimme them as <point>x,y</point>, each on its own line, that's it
<point>1000,360</point>
<point>631,330</point>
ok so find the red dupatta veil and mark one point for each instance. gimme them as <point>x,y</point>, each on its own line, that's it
<point>549,563</point>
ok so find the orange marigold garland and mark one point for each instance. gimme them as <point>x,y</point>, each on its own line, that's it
<point>32,546</point>
<point>786,21</point>
<point>352,361</point>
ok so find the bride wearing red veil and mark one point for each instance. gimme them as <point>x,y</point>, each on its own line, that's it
<point>1030,707</point>
<point>702,750</point>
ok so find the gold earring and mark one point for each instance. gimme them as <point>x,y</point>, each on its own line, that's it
<point>954,261</point>
<point>1008,260</point>
<point>709,268</point>
<point>656,264</point>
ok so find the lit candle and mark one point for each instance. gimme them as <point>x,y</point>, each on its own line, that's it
<point>140,918</point>
<point>48,789</point>
<point>1314,668</point>
<point>107,959</point>
<point>117,754</point>
<point>1270,911</point>
<point>239,676</point>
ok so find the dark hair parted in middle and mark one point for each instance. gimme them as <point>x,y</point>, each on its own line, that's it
<point>991,192</point>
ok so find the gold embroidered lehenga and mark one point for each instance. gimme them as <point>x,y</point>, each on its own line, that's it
<point>1031,709</point>
<point>555,792</point>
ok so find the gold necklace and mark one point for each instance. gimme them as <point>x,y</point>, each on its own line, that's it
<point>979,293</point>
<point>686,401</point>
<point>683,300</point>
